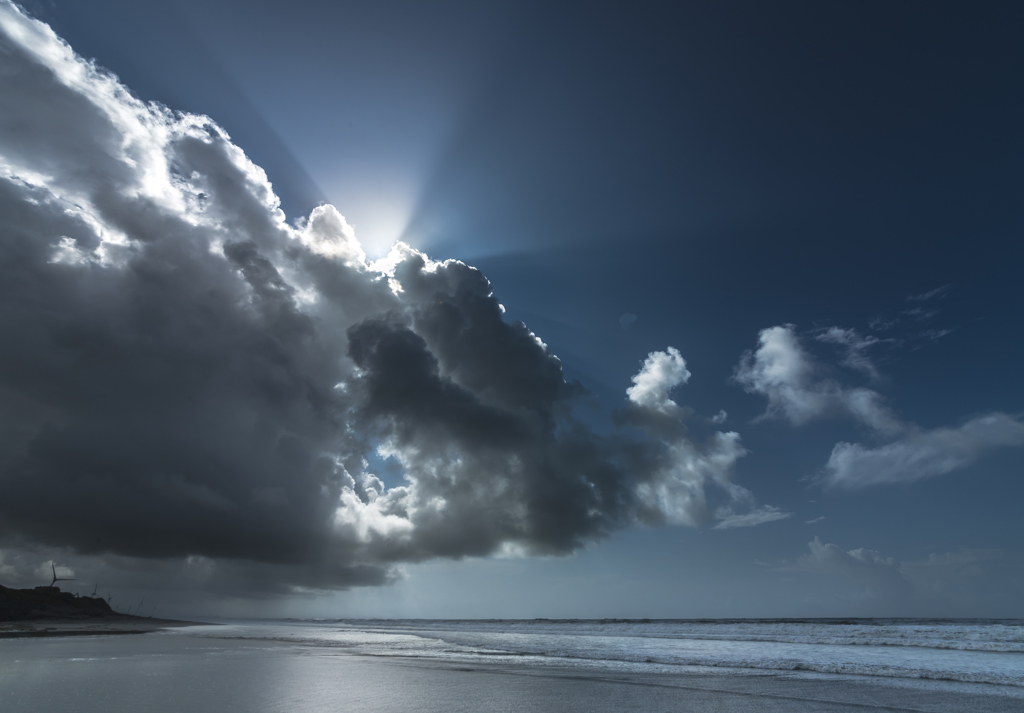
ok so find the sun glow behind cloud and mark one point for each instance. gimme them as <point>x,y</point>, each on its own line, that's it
<point>379,211</point>
<point>257,362</point>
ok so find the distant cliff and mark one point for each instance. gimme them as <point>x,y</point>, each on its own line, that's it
<point>50,603</point>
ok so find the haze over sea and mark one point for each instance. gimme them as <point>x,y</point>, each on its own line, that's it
<point>536,665</point>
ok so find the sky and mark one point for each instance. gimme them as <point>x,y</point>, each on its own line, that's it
<point>514,309</point>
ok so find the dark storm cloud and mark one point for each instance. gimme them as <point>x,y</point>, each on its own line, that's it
<point>188,379</point>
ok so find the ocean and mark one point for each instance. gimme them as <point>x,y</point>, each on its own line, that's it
<point>537,665</point>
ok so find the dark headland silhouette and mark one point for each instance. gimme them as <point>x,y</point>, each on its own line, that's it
<point>49,602</point>
<point>48,611</point>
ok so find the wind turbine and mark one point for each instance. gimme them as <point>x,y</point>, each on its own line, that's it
<point>94,589</point>
<point>56,579</point>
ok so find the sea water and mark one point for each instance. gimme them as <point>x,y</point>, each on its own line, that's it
<point>990,652</point>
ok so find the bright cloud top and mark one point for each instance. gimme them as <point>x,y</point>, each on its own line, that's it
<point>661,372</point>
<point>188,377</point>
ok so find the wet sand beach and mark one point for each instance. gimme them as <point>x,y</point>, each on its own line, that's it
<point>210,669</point>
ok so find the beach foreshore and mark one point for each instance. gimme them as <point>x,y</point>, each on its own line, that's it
<point>221,669</point>
<point>98,626</point>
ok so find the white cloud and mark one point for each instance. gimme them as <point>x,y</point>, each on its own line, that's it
<point>789,377</point>
<point>661,372</point>
<point>190,378</point>
<point>327,233</point>
<point>815,520</point>
<point>921,454</point>
<point>763,514</point>
<point>679,490</point>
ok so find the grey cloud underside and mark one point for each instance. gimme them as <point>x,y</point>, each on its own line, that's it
<point>184,374</point>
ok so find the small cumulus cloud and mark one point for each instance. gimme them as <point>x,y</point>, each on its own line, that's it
<point>784,372</point>
<point>691,473</point>
<point>815,520</point>
<point>660,373</point>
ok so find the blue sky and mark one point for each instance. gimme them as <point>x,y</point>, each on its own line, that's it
<point>818,207</point>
